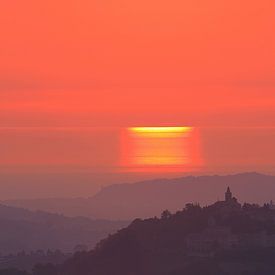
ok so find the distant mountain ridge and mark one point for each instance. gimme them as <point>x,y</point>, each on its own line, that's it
<point>25,230</point>
<point>149,198</point>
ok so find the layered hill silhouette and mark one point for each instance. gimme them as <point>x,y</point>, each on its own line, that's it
<point>225,238</point>
<point>148,198</point>
<point>26,230</point>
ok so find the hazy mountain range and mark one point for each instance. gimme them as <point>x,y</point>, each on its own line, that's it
<point>149,198</point>
<point>221,239</point>
<point>29,231</point>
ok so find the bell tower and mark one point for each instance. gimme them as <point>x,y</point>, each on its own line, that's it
<point>228,195</point>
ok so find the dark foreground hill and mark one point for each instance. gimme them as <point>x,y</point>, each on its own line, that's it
<point>146,199</point>
<point>22,229</point>
<point>222,239</point>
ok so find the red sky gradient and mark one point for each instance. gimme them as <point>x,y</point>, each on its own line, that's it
<point>190,106</point>
<point>82,64</point>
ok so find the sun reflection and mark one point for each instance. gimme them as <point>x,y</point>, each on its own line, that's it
<point>165,148</point>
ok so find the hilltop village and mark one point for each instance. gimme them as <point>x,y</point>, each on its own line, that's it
<point>219,234</point>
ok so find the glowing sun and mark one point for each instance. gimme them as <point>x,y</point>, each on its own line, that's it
<point>165,148</point>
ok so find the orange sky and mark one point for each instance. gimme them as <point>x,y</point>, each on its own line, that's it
<point>137,62</point>
<point>118,63</point>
